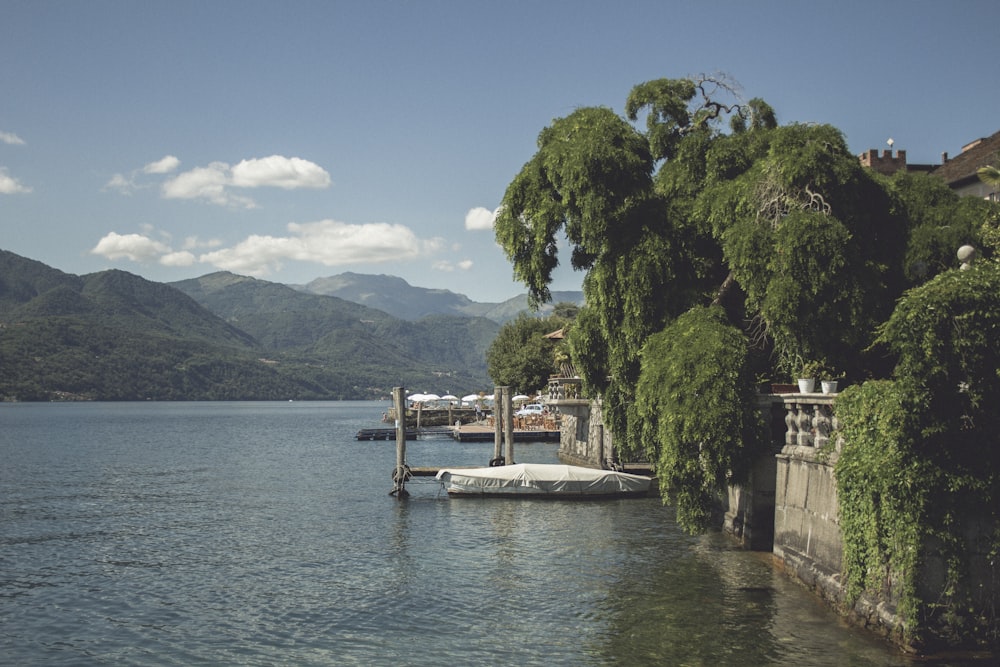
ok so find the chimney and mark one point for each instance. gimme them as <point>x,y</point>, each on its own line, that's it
<point>944,157</point>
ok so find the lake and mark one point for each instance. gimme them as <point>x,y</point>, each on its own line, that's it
<point>264,533</point>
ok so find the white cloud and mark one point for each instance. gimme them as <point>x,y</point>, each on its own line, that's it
<point>10,185</point>
<point>206,183</point>
<point>120,183</point>
<point>326,242</point>
<point>164,165</point>
<point>281,172</point>
<point>214,182</point>
<point>480,218</point>
<point>180,258</point>
<point>126,185</point>
<point>193,242</point>
<point>11,138</point>
<point>135,247</point>
<point>448,266</point>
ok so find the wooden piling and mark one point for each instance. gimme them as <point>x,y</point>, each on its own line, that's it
<point>497,426</point>
<point>508,426</point>
<point>401,473</point>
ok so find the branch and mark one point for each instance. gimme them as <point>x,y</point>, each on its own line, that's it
<point>775,201</point>
<point>724,289</point>
<point>756,331</point>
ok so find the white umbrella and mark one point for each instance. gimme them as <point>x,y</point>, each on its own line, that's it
<point>449,397</point>
<point>471,398</point>
<point>520,397</point>
<point>431,397</point>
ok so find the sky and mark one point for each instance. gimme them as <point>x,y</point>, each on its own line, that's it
<point>294,140</point>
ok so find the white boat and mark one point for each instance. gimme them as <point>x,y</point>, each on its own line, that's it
<point>541,479</point>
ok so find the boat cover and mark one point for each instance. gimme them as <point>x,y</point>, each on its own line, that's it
<point>541,479</point>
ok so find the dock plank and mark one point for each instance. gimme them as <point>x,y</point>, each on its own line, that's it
<point>464,433</point>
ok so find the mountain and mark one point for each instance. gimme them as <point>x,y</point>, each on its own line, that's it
<point>393,295</point>
<point>23,279</point>
<point>343,333</point>
<point>398,298</point>
<point>511,308</point>
<point>116,336</point>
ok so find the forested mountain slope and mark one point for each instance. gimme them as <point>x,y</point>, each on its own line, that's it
<point>113,335</point>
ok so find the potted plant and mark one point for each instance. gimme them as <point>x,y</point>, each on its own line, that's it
<point>828,380</point>
<point>807,376</point>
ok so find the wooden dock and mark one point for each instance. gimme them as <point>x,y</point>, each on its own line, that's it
<point>411,433</point>
<point>524,429</point>
<point>464,433</point>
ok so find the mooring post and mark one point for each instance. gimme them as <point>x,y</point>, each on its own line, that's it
<point>508,425</point>
<point>497,426</point>
<point>400,474</point>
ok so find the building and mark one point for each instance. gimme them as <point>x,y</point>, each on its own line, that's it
<point>958,172</point>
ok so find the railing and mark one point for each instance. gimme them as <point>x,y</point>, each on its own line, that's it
<point>565,389</point>
<point>809,419</point>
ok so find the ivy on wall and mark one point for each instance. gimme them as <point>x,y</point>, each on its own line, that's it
<point>921,459</point>
<point>882,494</point>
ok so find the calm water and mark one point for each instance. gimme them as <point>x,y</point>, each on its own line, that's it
<point>263,533</point>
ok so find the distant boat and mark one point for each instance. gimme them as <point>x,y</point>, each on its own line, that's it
<point>542,479</point>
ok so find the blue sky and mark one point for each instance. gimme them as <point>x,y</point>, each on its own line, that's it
<point>292,140</point>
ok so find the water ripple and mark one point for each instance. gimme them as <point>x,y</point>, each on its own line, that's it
<point>262,534</point>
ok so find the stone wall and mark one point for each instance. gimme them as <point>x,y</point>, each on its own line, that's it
<point>790,506</point>
<point>806,530</point>
<point>749,508</point>
<point>582,433</point>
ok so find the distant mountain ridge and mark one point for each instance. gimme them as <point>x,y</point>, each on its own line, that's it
<point>116,336</point>
<point>312,325</point>
<point>397,297</point>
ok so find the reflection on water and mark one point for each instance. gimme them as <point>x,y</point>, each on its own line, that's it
<point>263,533</point>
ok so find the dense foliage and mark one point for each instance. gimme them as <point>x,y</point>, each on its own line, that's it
<point>882,493</point>
<point>697,442</point>
<point>921,457</point>
<point>667,212</point>
<point>940,221</point>
<point>779,225</point>
<point>521,357</point>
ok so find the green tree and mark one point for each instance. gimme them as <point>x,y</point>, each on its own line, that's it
<point>565,310</point>
<point>940,222</point>
<point>520,356</point>
<point>990,175</point>
<point>695,448</point>
<point>778,225</point>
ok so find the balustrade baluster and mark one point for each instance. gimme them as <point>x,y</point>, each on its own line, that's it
<point>791,426</point>
<point>805,426</point>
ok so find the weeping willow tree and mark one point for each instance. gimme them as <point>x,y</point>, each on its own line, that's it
<point>795,249</point>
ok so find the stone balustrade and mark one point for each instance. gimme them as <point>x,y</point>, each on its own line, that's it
<point>565,389</point>
<point>809,419</point>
